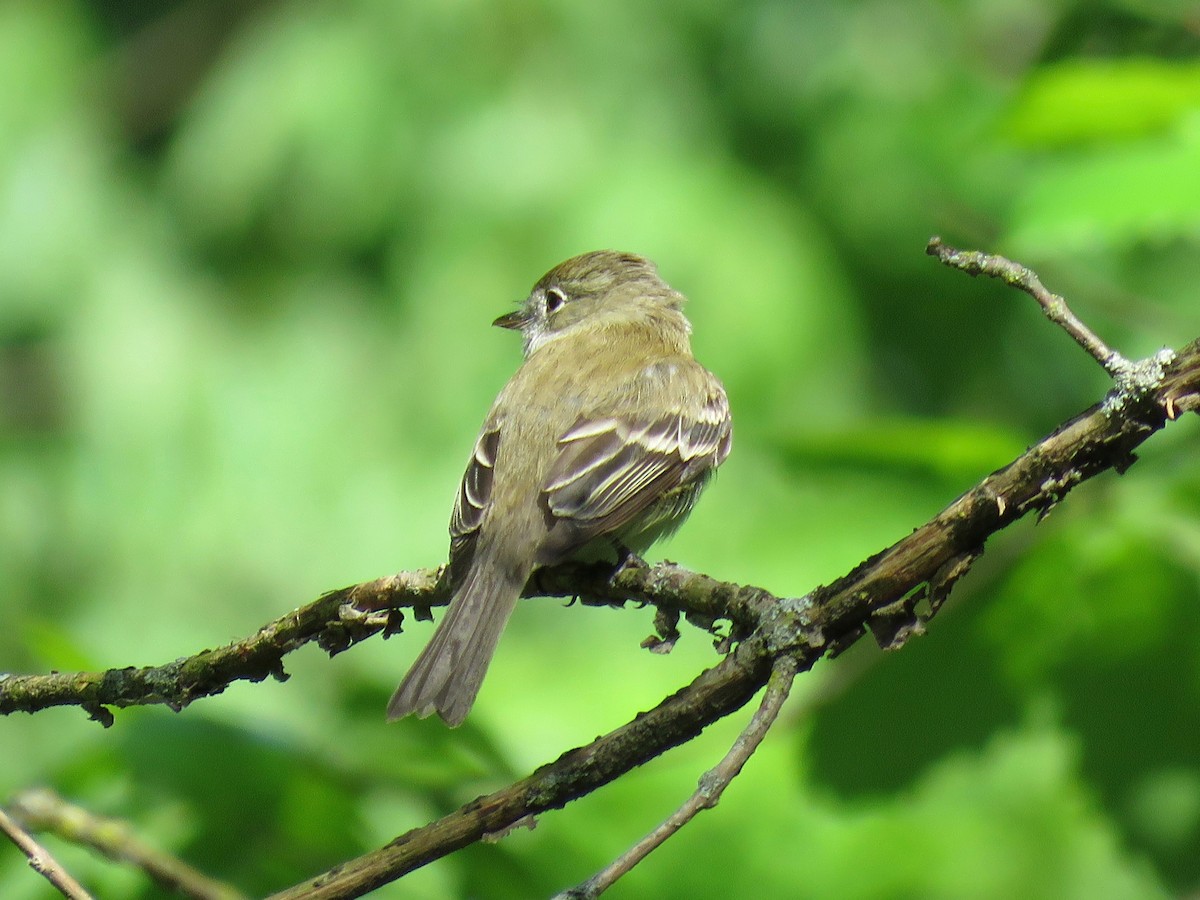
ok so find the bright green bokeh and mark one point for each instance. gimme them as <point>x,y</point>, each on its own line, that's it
<point>248,257</point>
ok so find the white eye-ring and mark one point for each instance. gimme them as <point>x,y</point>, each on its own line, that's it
<point>555,299</point>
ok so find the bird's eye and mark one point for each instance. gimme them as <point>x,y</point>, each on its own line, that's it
<point>555,299</point>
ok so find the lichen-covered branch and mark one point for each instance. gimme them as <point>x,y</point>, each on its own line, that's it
<point>330,621</point>
<point>892,594</point>
<point>1101,438</point>
<point>887,588</point>
<point>342,618</point>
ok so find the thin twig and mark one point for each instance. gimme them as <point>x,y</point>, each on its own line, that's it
<point>41,861</point>
<point>975,262</point>
<point>708,791</point>
<point>834,616</point>
<point>342,618</point>
<point>831,618</point>
<point>1135,380</point>
<point>44,810</point>
<point>712,695</point>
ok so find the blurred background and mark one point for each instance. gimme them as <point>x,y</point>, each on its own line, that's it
<point>249,252</point>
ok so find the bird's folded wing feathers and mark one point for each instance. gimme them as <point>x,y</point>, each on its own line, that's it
<point>474,495</point>
<point>610,468</point>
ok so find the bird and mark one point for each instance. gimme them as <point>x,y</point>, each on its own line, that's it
<point>596,447</point>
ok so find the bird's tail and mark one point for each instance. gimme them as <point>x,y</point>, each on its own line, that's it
<point>447,675</point>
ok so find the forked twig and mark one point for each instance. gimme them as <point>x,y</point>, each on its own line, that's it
<point>44,810</point>
<point>708,792</point>
<point>41,861</point>
<point>770,629</point>
<point>975,262</point>
<point>1134,379</point>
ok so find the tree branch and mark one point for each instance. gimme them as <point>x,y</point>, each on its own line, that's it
<point>892,594</point>
<point>882,593</point>
<point>41,861</point>
<point>974,262</point>
<point>44,810</point>
<point>714,694</point>
<point>1131,377</point>
<point>708,792</point>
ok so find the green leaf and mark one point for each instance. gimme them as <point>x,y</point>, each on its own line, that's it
<point>1092,99</point>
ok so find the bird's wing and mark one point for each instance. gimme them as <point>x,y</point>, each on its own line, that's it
<point>611,468</point>
<point>474,495</point>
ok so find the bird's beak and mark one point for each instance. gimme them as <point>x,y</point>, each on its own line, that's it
<point>516,320</point>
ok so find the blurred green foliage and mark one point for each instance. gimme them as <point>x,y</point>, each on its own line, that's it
<point>248,254</point>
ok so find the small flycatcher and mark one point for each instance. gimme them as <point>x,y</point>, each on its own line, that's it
<point>599,444</point>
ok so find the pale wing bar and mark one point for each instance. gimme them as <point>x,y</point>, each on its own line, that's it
<point>608,470</point>
<point>475,492</point>
<point>474,496</point>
